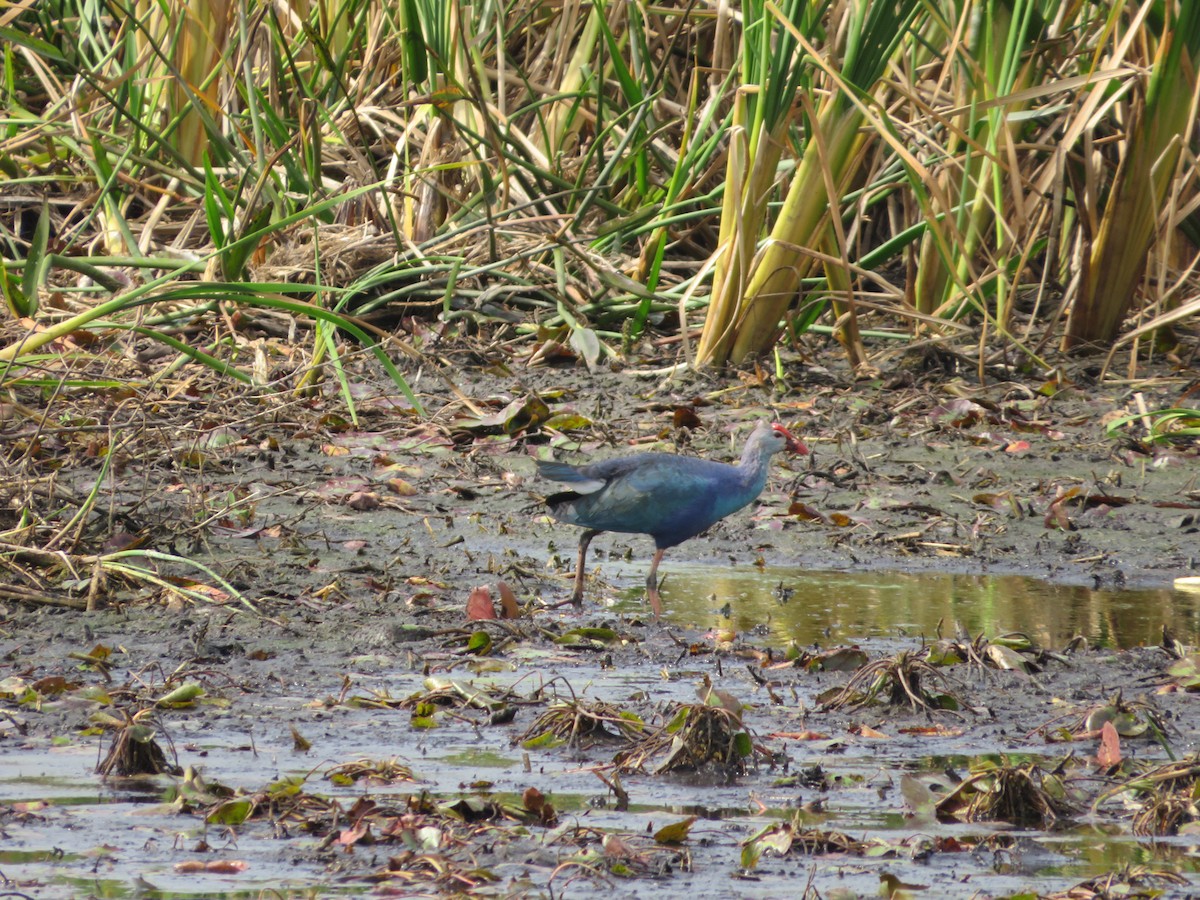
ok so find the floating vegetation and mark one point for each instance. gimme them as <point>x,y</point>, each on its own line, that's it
<point>443,694</point>
<point>135,751</point>
<point>1167,796</point>
<point>534,809</point>
<point>1127,882</point>
<point>283,803</point>
<point>1130,719</point>
<point>1186,672</point>
<point>581,723</point>
<point>440,842</point>
<point>621,855</point>
<point>1022,794</point>
<point>783,838</point>
<point>1008,652</point>
<point>896,680</point>
<point>389,771</point>
<point>697,735</point>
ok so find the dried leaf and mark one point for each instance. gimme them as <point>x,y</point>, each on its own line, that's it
<point>868,732</point>
<point>799,736</point>
<point>400,487</point>
<point>351,836</point>
<point>804,512</point>
<point>362,501</point>
<point>509,608</point>
<point>480,605</point>
<point>1108,754</point>
<point>585,341</point>
<point>685,417</point>
<point>300,743</point>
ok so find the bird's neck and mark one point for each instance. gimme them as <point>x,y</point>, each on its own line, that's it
<point>752,470</point>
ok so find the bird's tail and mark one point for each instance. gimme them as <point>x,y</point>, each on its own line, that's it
<point>568,474</point>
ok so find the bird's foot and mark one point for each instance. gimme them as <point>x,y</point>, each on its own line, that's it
<point>577,602</point>
<point>655,603</point>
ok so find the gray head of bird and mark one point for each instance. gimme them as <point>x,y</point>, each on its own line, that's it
<point>775,437</point>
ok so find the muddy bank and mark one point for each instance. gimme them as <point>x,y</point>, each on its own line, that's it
<point>358,547</point>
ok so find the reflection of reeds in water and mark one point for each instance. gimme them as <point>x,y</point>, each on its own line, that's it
<point>821,606</point>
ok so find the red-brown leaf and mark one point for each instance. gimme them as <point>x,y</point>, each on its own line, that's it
<point>1108,754</point>
<point>509,608</point>
<point>804,512</point>
<point>480,605</point>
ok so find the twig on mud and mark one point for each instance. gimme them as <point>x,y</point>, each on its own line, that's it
<point>29,595</point>
<point>114,563</point>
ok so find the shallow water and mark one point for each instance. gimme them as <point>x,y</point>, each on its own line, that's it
<point>73,834</point>
<point>69,833</point>
<point>837,607</point>
<point>110,841</point>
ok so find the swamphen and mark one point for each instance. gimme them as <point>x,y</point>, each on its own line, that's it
<point>671,498</point>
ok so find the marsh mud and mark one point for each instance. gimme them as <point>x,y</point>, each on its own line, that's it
<point>932,660</point>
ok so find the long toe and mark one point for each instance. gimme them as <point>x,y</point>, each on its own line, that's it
<point>655,602</point>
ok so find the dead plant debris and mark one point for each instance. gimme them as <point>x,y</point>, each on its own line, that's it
<point>695,735</point>
<point>581,723</point>
<point>1166,796</point>
<point>1128,882</point>
<point>135,750</point>
<point>387,771</point>
<point>898,680</point>
<point>1023,794</point>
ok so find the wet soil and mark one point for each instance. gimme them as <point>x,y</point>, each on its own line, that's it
<point>358,547</point>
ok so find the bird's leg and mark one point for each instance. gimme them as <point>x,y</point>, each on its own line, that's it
<point>652,584</point>
<point>584,540</point>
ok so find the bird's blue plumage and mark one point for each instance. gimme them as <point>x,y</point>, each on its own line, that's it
<point>671,498</point>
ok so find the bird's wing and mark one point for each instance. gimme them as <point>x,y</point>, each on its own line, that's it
<point>667,497</point>
<point>581,482</point>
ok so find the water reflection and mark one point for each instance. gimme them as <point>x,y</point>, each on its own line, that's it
<point>827,607</point>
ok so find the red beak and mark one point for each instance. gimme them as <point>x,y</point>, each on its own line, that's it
<point>794,445</point>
